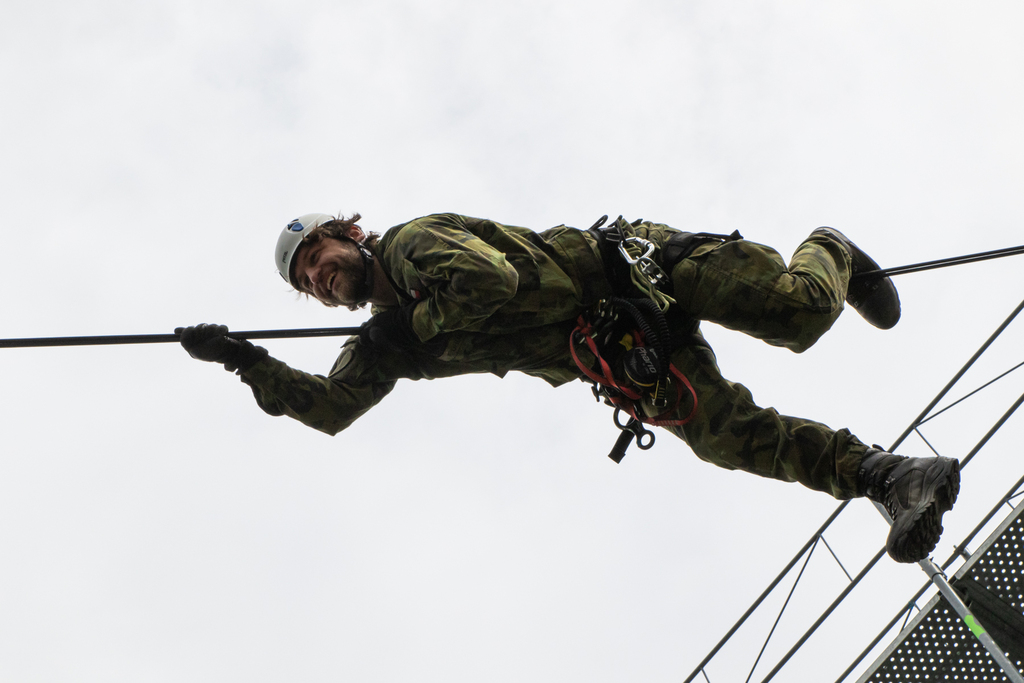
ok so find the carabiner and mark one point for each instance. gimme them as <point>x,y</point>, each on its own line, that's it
<point>646,245</point>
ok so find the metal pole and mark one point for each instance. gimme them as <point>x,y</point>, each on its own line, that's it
<point>936,576</point>
<point>767,592</point>
<point>163,338</point>
<point>945,565</point>
<point>956,378</point>
<point>835,603</point>
<point>953,598</point>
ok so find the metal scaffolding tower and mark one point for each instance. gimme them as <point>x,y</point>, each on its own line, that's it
<point>973,627</point>
<point>939,644</point>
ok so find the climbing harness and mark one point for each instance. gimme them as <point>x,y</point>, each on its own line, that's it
<point>648,379</point>
<point>630,337</point>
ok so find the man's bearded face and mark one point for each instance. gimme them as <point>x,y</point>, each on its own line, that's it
<point>330,270</point>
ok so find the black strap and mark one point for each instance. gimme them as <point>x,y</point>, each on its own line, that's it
<point>616,270</point>
<point>682,244</point>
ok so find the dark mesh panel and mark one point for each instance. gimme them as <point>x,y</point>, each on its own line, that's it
<point>938,646</point>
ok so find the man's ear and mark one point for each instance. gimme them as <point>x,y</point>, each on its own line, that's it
<point>356,233</point>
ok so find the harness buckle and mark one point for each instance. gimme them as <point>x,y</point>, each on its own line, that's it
<point>652,271</point>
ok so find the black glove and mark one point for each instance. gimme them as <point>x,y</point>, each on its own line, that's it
<point>211,343</point>
<point>393,329</point>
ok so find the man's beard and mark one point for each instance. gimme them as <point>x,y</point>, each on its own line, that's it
<point>361,277</point>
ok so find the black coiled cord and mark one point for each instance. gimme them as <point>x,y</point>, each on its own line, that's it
<point>644,312</point>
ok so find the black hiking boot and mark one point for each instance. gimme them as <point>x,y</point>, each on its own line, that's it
<point>875,298</point>
<point>916,492</point>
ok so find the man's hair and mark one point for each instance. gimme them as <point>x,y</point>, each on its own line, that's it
<point>338,230</point>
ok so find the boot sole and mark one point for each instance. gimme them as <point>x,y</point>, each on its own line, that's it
<point>917,532</point>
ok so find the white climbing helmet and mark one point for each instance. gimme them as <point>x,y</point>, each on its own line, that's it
<point>290,239</point>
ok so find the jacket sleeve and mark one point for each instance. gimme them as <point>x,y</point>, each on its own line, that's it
<point>466,280</point>
<point>328,404</point>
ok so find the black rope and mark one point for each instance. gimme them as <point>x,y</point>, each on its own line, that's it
<point>164,338</point>
<point>340,331</point>
<point>941,263</point>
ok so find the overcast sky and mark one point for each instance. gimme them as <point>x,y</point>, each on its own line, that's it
<point>155,525</point>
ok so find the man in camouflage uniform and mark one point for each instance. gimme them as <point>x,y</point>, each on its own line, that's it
<point>454,295</point>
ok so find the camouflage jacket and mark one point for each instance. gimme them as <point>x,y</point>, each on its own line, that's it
<point>507,298</point>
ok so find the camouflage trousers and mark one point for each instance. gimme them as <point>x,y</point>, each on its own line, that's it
<point>748,287</point>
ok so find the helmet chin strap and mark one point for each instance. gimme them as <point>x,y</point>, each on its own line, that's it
<point>365,290</point>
